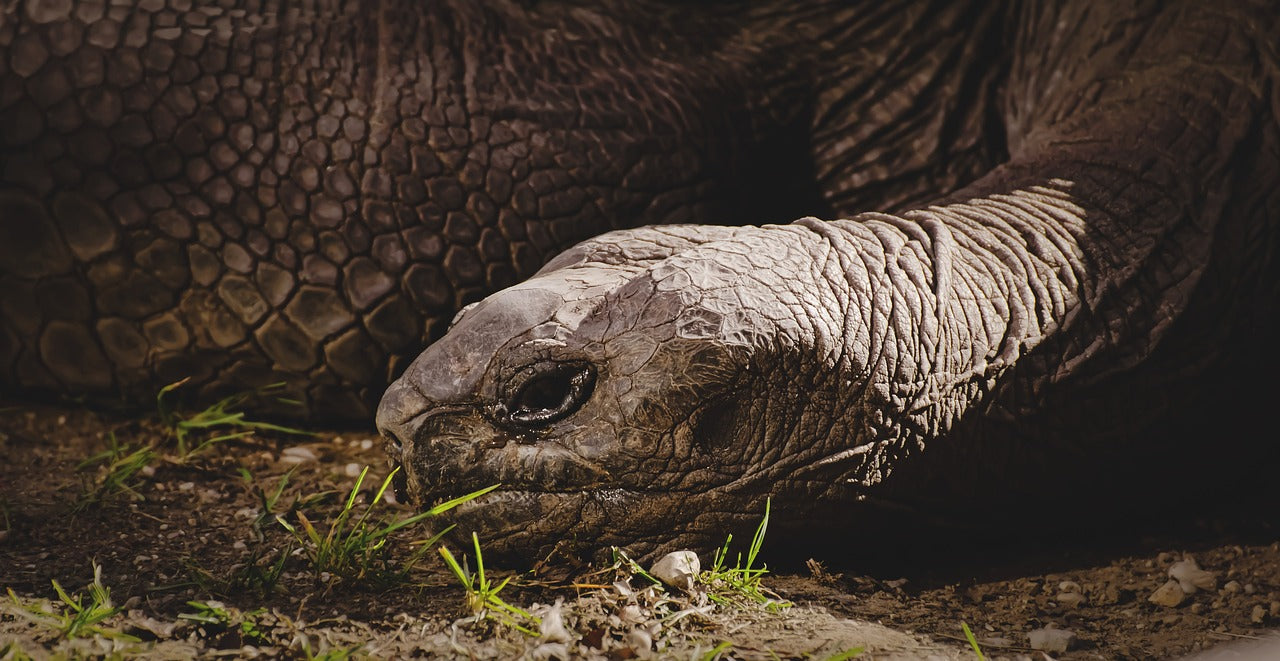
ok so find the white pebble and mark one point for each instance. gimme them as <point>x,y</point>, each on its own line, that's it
<point>677,569</point>
<point>1053,640</point>
<point>1169,595</point>
<point>639,640</point>
<point>352,469</point>
<point>552,627</point>
<point>1191,577</point>
<point>297,455</point>
<point>1070,599</point>
<point>631,614</point>
<point>545,651</point>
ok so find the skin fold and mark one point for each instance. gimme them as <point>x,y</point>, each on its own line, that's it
<point>1035,248</point>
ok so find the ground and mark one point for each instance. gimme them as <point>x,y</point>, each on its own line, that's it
<point>193,555</point>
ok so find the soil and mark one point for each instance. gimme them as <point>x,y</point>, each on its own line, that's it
<point>192,529</point>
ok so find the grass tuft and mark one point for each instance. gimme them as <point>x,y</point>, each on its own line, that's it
<point>11,651</point>
<point>80,615</point>
<point>743,579</point>
<point>217,617</point>
<point>482,595</point>
<point>216,424</point>
<point>122,465</point>
<point>119,468</point>
<point>355,548</point>
<point>257,573</point>
<point>335,654</point>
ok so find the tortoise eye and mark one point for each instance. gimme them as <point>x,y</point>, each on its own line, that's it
<point>553,392</point>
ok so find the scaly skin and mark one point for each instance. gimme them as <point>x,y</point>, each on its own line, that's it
<point>243,193</point>
<point>1084,315</point>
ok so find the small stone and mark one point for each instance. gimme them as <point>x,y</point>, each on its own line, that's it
<point>552,627</point>
<point>1231,587</point>
<point>1258,614</point>
<point>1249,589</point>
<point>1069,586</point>
<point>549,651</point>
<point>631,614</point>
<point>1197,608</point>
<point>677,569</point>
<point>1053,640</point>
<point>1273,609</point>
<point>297,455</point>
<point>1169,595</point>
<point>1070,599</point>
<point>640,640</point>
<point>352,469</point>
<point>1191,577</point>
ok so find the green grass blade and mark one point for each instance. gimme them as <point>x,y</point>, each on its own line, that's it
<point>453,565</point>
<point>758,539</point>
<point>716,651</point>
<point>450,504</point>
<point>484,584</point>
<point>973,641</point>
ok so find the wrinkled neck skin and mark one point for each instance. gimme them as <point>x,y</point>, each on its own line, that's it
<point>1058,306</point>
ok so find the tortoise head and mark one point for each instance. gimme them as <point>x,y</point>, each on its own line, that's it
<point>611,397</point>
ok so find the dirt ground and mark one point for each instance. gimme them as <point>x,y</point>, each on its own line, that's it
<point>194,529</point>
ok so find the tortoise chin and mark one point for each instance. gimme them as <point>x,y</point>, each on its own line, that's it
<point>523,526</point>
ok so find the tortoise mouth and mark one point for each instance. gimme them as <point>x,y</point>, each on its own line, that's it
<point>526,525</point>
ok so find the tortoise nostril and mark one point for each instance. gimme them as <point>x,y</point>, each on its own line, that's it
<point>392,444</point>
<point>552,392</point>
